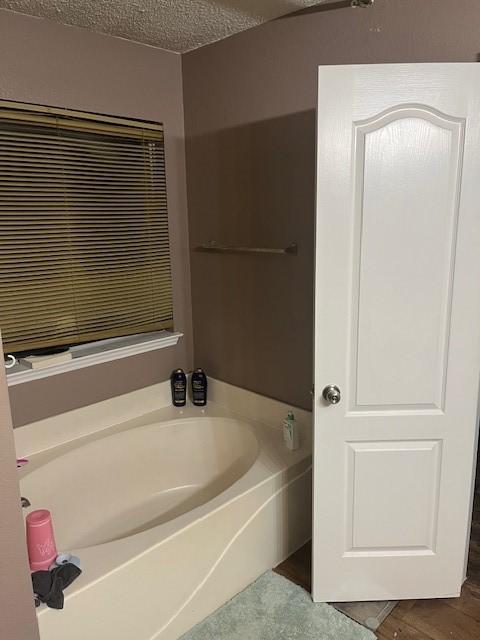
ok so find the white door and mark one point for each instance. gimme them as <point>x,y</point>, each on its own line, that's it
<point>397,325</point>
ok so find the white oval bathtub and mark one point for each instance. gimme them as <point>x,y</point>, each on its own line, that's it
<point>131,481</point>
<point>170,517</point>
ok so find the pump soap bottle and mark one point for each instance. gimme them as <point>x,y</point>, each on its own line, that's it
<point>290,432</point>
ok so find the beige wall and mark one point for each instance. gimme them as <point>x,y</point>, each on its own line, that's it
<point>17,613</point>
<point>250,128</point>
<point>50,64</point>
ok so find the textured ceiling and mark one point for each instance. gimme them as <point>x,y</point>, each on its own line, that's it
<point>177,25</point>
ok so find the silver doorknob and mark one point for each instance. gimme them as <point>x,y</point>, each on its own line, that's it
<point>331,394</point>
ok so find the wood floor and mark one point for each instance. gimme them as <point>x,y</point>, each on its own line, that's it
<point>452,619</point>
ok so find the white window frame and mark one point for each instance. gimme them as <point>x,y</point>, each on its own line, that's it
<point>98,352</point>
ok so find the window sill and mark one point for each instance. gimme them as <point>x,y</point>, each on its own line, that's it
<point>87,355</point>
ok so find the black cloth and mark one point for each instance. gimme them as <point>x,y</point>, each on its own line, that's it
<point>48,586</point>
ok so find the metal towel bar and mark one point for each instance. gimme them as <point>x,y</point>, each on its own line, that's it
<point>213,247</point>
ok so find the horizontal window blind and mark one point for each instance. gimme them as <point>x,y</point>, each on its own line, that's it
<point>83,228</point>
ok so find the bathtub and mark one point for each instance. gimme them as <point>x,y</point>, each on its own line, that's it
<point>172,513</point>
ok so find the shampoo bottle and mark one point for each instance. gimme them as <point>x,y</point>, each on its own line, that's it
<point>178,381</point>
<point>199,388</point>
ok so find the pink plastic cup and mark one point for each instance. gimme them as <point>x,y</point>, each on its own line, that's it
<point>42,550</point>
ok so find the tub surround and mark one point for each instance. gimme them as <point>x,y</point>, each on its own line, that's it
<point>255,512</point>
<point>148,405</point>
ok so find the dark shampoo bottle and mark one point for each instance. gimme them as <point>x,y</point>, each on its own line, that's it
<point>178,382</point>
<point>199,388</point>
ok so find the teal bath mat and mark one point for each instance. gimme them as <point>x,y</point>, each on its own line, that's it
<point>273,608</point>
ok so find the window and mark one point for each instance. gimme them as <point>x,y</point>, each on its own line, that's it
<point>83,228</point>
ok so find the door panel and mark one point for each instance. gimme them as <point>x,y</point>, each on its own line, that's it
<point>408,172</point>
<point>397,329</point>
<point>404,517</point>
